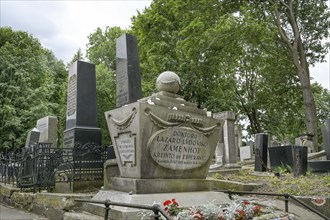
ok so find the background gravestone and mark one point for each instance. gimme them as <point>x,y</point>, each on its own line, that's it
<point>261,152</point>
<point>294,157</point>
<point>128,79</point>
<point>81,117</point>
<point>48,130</point>
<point>32,138</point>
<point>326,137</point>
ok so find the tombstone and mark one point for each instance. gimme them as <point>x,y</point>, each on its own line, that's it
<point>229,152</point>
<point>82,136</point>
<point>128,79</point>
<point>303,141</point>
<point>32,138</point>
<point>261,152</point>
<point>246,153</point>
<point>326,137</point>
<point>294,157</point>
<point>300,160</point>
<point>164,146</point>
<point>323,165</point>
<point>81,115</point>
<point>48,130</point>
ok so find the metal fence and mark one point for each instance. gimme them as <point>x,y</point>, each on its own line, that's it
<point>41,166</point>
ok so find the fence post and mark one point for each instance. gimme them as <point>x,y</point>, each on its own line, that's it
<point>107,204</point>
<point>286,200</point>
<point>155,209</point>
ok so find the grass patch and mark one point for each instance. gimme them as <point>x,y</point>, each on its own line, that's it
<point>308,185</point>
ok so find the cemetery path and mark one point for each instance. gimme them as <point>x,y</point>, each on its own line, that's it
<point>10,213</point>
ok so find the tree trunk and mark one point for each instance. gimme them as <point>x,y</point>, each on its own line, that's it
<point>298,56</point>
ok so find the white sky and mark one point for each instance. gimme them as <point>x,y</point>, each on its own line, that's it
<point>63,26</point>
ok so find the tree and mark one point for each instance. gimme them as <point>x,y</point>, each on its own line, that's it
<point>301,26</point>
<point>28,91</point>
<point>228,56</point>
<point>77,56</point>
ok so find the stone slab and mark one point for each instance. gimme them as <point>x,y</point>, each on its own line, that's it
<point>143,186</point>
<point>319,166</point>
<point>246,152</point>
<point>186,199</point>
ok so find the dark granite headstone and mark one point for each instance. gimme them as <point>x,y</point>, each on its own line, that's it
<point>300,160</point>
<point>326,137</point>
<point>81,115</point>
<point>261,152</point>
<point>128,79</point>
<point>294,157</point>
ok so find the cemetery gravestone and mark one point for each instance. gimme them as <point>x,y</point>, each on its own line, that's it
<point>261,152</point>
<point>128,79</point>
<point>323,165</point>
<point>162,142</point>
<point>229,152</point>
<point>246,153</point>
<point>326,137</point>
<point>81,117</point>
<point>32,138</point>
<point>289,157</point>
<point>48,130</point>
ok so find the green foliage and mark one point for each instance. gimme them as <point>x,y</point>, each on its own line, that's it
<point>302,185</point>
<point>101,50</point>
<point>31,79</point>
<point>228,57</point>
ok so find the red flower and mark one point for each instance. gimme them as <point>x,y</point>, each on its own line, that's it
<point>245,202</point>
<point>167,202</point>
<point>174,202</point>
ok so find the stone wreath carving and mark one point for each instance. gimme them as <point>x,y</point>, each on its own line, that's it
<point>161,123</point>
<point>123,124</point>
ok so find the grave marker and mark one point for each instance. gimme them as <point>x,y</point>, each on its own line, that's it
<point>81,117</point>
<point>48,130</point>
<point>128,79</point>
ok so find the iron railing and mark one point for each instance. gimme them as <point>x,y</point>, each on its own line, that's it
<point>156,208</point>
<point>40,166</point>
<point>286,200</point>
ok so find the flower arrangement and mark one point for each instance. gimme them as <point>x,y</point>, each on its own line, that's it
<point>238,210</point>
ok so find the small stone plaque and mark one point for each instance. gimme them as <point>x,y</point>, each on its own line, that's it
<point>179,148</point>
<point>245,152</point>
<point>125,143</point>
<point>68,139</point>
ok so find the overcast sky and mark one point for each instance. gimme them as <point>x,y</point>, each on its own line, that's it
<point>63,26</point>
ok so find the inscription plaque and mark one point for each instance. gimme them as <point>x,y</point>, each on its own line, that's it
<point>72,93</point>
<point>179,148</point>
<point>68,139</point>
<point>125,143</point>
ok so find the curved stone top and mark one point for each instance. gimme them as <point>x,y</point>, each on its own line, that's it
<point>168,82</point>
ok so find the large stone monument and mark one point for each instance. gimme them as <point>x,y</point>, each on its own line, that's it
<point>81,115</point>
<point>82,137</point>
<point>47,127</point>
<point>128,79</point>
<point>164,146</point>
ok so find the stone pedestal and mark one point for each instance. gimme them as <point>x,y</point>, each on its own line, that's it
<point>163,136</point>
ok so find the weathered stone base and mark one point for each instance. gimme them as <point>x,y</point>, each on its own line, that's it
<point>145,186</point>
<point>78,186</point>
<point>185,199</point>
<point>319,165</point>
